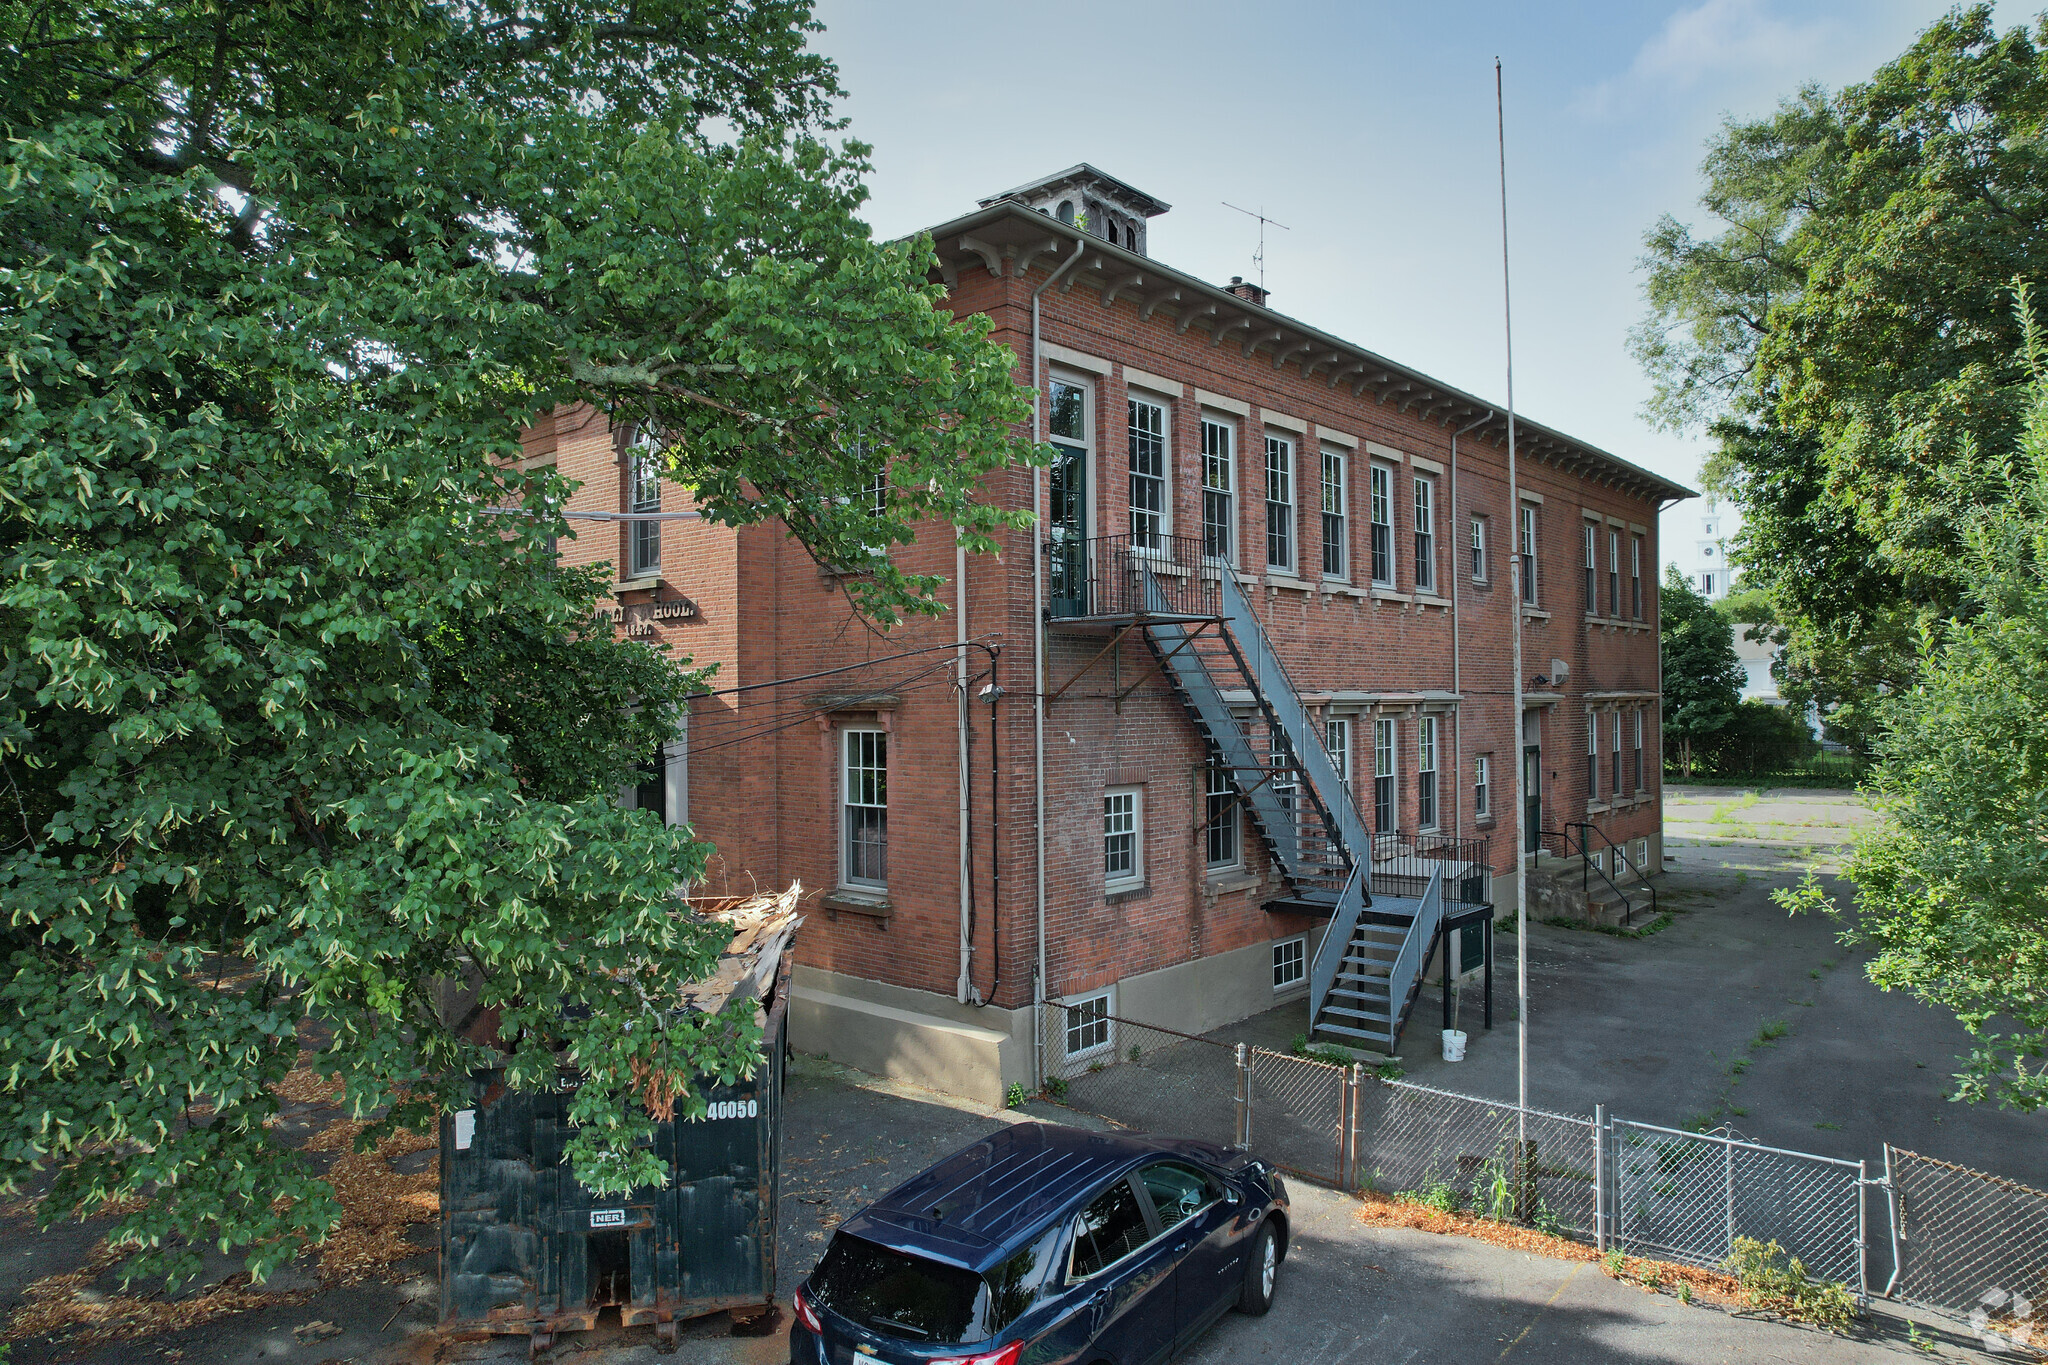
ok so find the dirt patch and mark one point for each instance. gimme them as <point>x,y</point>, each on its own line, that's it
<point>1390,1211</point>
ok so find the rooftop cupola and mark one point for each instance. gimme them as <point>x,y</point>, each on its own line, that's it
<point>1088,199</point>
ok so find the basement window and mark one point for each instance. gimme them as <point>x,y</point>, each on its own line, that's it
<point>1290,962</point>
<point>1088,1025</point>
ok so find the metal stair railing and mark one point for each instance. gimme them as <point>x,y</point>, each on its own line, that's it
<point>1408,962</point>
<point>1330,953</point>
<point>1587,868</point>
<point>1284,709</point>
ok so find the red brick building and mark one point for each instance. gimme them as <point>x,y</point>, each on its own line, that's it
<point>1251,675</point>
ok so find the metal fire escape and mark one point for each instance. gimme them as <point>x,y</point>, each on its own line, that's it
<point>1202,631</point>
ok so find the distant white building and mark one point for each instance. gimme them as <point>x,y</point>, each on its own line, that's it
<point>1700,550</point>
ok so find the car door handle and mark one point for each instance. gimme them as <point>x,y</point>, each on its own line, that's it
<point>1183,1246</point>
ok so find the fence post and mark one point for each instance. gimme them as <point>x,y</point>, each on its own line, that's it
<point>1895,1223</point>
<point>1599,1177</point>
<point>1862,1237</point>
<point>1244,1099</point>
<point>1728,1189</point>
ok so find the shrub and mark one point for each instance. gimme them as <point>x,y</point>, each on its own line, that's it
<point>1775,1281</point>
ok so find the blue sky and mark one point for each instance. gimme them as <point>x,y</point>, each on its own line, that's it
<point>1369,130</point>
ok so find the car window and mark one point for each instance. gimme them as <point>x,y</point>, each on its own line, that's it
<point>1013,1286</point>
<point>1177,1191</point>
<point>1109,1229</point>
<point>900,1294</point>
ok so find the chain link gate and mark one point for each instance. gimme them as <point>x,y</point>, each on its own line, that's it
<point>1683,1196</point>
<point>1969,1243</point>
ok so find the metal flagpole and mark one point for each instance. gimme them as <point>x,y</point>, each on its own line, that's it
<point>1515,610</point>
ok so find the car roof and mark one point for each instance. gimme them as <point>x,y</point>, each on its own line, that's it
<point>974,1207</point>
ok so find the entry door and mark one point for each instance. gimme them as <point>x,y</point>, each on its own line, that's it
<point>1067,531</point>
<point>1532,798</point>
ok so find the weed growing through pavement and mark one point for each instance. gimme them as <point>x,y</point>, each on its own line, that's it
<point>1684,1292</point>
<point>1779,1283</point>
<point>1014,1097</point>
<point>1829,1125</point>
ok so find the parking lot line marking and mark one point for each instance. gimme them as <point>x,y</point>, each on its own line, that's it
<point>1541,1311</point>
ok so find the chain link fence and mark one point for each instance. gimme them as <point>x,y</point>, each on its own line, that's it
<point>1154,1080</point>
<point>1683,1196</point>
<point>1485,1156</point>
<point>1969,1243</point>
<point>1295,1113</point>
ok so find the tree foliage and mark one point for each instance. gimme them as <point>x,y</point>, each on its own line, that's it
<point>1842,328</point>
<point>1702,675</point>
<point>1952,885</point>
<point>292,727</point>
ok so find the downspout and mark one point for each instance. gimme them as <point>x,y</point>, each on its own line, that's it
<point>1038,664</point>
<point>963,985</point>
<point>1457,656</point>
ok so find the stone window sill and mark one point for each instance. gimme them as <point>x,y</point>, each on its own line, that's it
<point>1530,613</point>
<point>644,583</point>
<point>1126,891</point>
<point>875,905</point>
<point>1222,883</point>
<point>1338,589</point>
<point>1427,599</point>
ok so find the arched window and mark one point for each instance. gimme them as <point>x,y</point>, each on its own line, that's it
<point>1066,211</point>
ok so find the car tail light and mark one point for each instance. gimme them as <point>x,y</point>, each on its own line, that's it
<point>808,1315</point>
<point>1005,1355</point>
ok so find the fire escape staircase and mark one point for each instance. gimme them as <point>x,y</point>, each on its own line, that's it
<point>1364,977</point>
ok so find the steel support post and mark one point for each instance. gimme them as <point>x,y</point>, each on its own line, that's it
<point>1600,1204</point>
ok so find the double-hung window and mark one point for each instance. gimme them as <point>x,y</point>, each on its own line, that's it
<point>1219,485</point>
<point>864,808</point>
<point>644,496</point>
<point>1592,536</point>
<point>1425,534</point>
<point>1639,748</point>
<point>1613,572</point>
<point>1222,818</point>
<point>1334,564</point>
<point>1382,524</point>
<point>1384,813</point>
<point>1123,837</point>
<point>1635,576</point>
<point>1279,503</point>
<point>1337,744</point>
<point>1425,773</point>
<point>1482,785</point>
<point>1614,778</point>
<point>1151,519</point>
<point>1479,549</point>
<point>1526,551</point>
<point>1592,756</point>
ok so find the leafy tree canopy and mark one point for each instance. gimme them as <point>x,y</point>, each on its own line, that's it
<point>1842,326</point>
<point>292,728</point>
<point>1952,885</point>
<point>1702,675</point>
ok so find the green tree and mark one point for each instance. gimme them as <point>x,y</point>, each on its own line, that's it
<point>1952,885</point>
<point>293,727</point>
<point>1702,675</point>
<point>1841,328</point>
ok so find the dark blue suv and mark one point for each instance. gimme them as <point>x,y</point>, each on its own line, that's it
<point>1041,1245</point>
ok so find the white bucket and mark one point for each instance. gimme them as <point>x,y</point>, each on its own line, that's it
<point>1454,1045</point>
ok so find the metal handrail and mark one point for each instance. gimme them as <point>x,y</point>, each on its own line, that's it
<point>1408,962</point>
<point>1336,940</point>
<point>1586,864</point>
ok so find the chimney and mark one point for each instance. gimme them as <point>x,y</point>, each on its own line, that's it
<point>1250,293</point>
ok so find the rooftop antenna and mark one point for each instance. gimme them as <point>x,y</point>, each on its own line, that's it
<point>1259,256</point>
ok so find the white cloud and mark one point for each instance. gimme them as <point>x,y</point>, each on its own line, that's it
<point>1717,43</point>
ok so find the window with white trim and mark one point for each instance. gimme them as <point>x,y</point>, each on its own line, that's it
<point>1335,564</point>
<point>1425,533</point>
<point>1613,572</point>
<point>1526,542</point>
<point>1290,962</point>
<point>1384,812</point>
<point>1635,576</point>
<point>1123,837</point>
<point>1592,538</point>
<point>1639,748</point>
<point>1279,503</point>
<point>1088,1025</point>
<point>1382,510</point>
<point>1592,755</point>
<point>644,496</point>
<point>1425,772</point>
<point>1643,854</point>
<point>1151,510</point>
<point>1482,785</point>
<point>1223,822</point>
<point>1615,773</point>
<point>1219,488</point>
<point>864,808</point>
<point>1479,549</point>
<point>1337,744</point>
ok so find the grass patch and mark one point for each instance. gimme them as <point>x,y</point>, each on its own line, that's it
<point>1319,1052</point>
<point>1770,1033</point>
